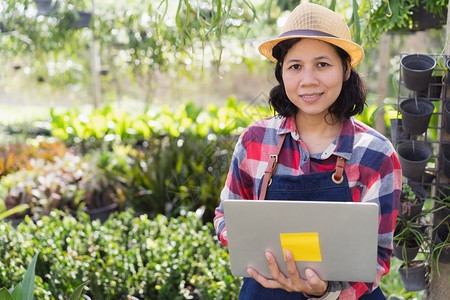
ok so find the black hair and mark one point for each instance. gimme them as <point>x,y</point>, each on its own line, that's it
<point>350,101</point>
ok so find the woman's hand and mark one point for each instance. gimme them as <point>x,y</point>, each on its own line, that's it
<point>293,283</point>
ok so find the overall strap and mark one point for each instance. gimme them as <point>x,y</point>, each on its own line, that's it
<point>338,175</point>
<point>271,168</point>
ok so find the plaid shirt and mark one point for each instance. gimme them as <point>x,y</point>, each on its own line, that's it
<point>372,168</point>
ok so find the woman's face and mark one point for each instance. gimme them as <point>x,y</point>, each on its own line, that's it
<point>313,75</point>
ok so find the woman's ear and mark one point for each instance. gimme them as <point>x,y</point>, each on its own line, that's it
<point>347,70</point>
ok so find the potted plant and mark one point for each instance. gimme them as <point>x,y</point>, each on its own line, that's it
<point>411,200</point>
<point>441,249</point>
<point>424,15</point>
<point>441,208</point>
<point>47,186</point>
<point>414,275</point>
<point>408,238</point>
<point>67,183</point>
<point>103,183</point>
<point>74,15</point>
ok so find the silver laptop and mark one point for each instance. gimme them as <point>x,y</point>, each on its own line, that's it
<point>338,240</point>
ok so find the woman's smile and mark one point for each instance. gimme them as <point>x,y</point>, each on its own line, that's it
<point>311,97</point>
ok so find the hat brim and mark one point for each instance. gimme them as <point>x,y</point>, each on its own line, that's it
<point>354,50</point>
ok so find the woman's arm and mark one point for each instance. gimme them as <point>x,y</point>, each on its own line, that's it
<point>238,185</point>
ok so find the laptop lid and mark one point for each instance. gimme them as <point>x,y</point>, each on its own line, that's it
<point>338,240</point>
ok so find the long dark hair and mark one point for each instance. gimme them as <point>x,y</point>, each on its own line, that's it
<point>350,101</point>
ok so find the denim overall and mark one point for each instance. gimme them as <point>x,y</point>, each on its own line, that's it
<point>318,187</point>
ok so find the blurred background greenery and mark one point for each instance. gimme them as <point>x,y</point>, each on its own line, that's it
<point>142,105</point>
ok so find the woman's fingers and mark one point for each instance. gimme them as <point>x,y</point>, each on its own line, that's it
<point>274,270</point>
<point>292,283</point>
<point>296,282</point>
<point>268,283</point>
<point>278,281</point>
<point>316,285</point>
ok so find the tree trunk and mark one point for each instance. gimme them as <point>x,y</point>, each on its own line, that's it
<point>95,65</point>
<point>382,80</point>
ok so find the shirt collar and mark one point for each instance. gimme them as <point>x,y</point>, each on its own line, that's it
<point>288,126</point>
<point>346,139</point>
<point>342,146</point>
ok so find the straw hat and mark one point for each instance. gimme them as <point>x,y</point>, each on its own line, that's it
<point>309,20</point>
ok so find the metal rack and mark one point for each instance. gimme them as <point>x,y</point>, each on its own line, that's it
<point>442,138</point>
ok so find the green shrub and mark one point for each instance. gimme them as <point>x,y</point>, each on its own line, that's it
<point>151,259</point>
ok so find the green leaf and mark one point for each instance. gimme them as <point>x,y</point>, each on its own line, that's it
<point>28,279</point>
<point>357,36</point>
<point>5,295</point>
<point>77,293</point>
<point>16,209</point>
<point>17,292</point>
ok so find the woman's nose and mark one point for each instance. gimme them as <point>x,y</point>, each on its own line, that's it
<point>308,77</point>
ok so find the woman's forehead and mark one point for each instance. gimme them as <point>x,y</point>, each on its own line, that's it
<point>312,49</point>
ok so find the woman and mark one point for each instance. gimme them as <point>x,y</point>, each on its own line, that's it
<point>320,143</point>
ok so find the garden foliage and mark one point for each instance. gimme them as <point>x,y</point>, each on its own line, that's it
<point>150,259</point>
<point>163,160</point>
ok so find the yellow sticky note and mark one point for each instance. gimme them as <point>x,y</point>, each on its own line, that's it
<point>304,246</point>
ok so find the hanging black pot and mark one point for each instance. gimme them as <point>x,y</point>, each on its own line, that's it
<point>398,135</point>
<point>417,69</point>
<point>406,245</point>
<point>446,77</point>
<point>442,250</point>
<point>416,115</point>
<point>83,20</point>
<point>404,252</point>
<point>423,19</point>
<point>447,115</point>
<point>446,156</point>
<point>413,276</point>
<point>427,181</point>
<point>46,7</point>
<point>102,213</point>
<point>413,157</point>
<point>3,28</point>
<point>434,89</point>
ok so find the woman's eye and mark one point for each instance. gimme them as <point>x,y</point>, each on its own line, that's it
<point>322,64</point>
<point>295,67</point>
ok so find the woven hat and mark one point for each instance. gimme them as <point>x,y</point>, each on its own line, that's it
<point>309,20</point>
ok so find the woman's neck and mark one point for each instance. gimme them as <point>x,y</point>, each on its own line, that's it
<point>317,134</point>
